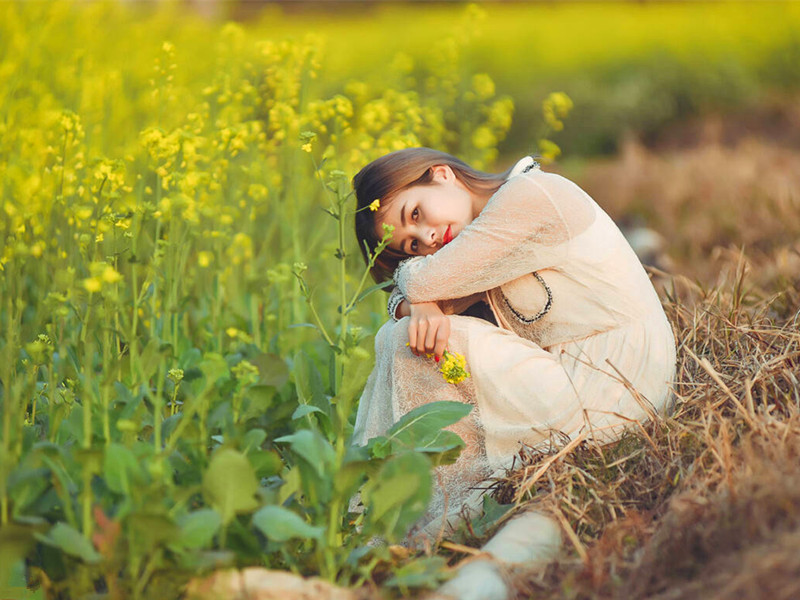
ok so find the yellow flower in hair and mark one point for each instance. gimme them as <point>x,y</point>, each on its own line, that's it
<point>375,205</point>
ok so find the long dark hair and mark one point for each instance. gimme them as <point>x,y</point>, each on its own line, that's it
<point>384,177</point>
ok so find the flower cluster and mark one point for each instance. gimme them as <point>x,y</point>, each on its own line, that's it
<point>453,367</point>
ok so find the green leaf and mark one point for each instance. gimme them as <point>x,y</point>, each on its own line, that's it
<point>308,382</point>
<point>197,529</point>
<point>427,572</point>
<point>305,409</point>
<point>313,448</point>
<point>230,484</point>
<point>265,463</point>
<point>272,369</point>
<point>214,367</point>
<point>16,542</point>
<point>399,495</point>
<point>379,447</point>
<point>150,357</point>
<point>349,478</point>
<point>25,485</point>
<point>280,524</point>
<point>422,426</point>
<point>371,289</point>
<point>253,439</point>
<point>72,542</point>
<point>493,511</point>
<point>258,400</point>
<point>151,529</point>
<point>120,468</point>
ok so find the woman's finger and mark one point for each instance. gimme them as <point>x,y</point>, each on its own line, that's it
<point>430,338</point>
<point>419,342</point>
<point>442,337</point>
<point>412,336</point>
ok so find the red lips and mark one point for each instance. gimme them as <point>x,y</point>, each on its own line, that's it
<point>448,236</point>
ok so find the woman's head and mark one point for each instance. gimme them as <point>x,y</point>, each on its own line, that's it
<point>426,194</point>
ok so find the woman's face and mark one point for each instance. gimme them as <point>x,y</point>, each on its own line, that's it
<point>426,217</point>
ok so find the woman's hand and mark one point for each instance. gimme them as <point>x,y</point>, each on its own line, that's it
<point>428,330</point>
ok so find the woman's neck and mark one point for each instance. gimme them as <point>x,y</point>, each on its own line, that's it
<point>479,201</point>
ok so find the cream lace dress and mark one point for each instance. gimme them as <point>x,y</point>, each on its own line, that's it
<point>583,344</point>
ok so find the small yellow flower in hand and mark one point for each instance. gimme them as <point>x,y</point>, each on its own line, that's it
<point>453,367</point>
<point>375,205</point>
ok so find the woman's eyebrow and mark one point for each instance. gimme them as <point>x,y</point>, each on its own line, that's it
<point>403,223</point>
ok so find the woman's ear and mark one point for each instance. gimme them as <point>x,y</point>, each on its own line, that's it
<point>442,173</point>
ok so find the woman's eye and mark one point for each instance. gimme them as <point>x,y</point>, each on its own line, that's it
<point>415,214</point>
<point>414,245</point>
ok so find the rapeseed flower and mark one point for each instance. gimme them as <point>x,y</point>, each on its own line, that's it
<point>375,205</point>
<point>453,367</point>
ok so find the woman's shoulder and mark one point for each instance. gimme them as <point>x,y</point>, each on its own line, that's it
<point>531,195</point>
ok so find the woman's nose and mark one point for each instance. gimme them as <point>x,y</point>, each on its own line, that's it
<point>429,236</point>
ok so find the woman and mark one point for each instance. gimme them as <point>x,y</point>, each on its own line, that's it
<point>566,335</point>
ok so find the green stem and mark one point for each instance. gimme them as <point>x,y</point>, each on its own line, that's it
<point>321,327</point>
<point>256,325</point>
<point>340,218</point>
<point>158,403</point>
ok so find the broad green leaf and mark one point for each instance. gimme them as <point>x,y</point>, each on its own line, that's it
<point>308,382</point>
<point>150,529</point>
<point>90,459</point>
<point>399,495</point>
<point>493,511</point>
<point>266,463</point>
<point>441,441</point>
<point>349,477</point>
<point>305,409</point>
<point>259,400</point>
<point>428,572</point>
<point>15,542</point>
<point>280,524</point>
<point>120,468</point>
<point>230,484</point>
<point>214,367</point>
<point>26,484</point>
<point>313,448</point>
<point>253,439</point>
<point>152,355</point>
<point>72,542</point>
<point>380,447</point>
<point>198,528</point>
<point>418,426</point>
<point>272,369</point>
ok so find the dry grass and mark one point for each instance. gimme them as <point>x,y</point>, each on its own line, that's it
<point>717,184</point>
<point>705,504</point>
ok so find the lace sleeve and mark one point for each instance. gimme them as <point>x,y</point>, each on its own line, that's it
<point>395,298</point>
<point>523,228</point>
<point>453,306</point>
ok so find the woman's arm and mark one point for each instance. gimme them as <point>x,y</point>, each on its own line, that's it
<point>399,307</point>
<point>521,229</point>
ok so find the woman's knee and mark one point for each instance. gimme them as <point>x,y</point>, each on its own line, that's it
<point>391,336</point>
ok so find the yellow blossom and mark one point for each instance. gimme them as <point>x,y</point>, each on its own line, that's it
<point>375,205</point>
<point>110,275</point>
<point>204,258</point>
<point>92,284</point>
<point>453,367</point>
